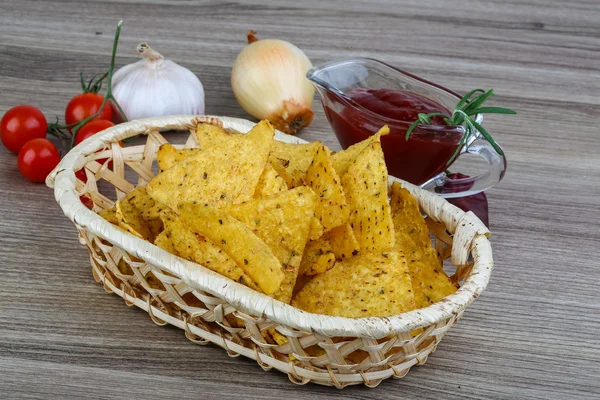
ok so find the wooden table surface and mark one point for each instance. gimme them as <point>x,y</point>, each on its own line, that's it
<point>532,335</point>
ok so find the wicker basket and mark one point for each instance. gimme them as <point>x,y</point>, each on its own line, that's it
<point>184,294</point>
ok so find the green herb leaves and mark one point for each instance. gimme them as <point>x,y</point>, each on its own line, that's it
<point>464,114</point>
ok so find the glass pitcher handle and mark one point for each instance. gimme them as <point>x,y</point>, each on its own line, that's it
<point>450,186</point>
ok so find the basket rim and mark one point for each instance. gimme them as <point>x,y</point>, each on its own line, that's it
<point>470,236</point>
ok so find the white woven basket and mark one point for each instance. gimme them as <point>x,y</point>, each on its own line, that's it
<point>197,300</point>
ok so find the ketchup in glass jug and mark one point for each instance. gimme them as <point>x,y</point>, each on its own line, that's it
<point>417,159</point>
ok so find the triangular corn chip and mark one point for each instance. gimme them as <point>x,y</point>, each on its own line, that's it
<point>368,285</point>
<point>134,214</point>
<point>292,160</point>
<point>318,257</point>
<point>343,242</point>
<point>131,220</point>
<point>186,244</point>
<point>282,221</point>
<point>430,282</point>
<point>110,214</point>
<point>366,187</point>
<point>270,182</point>
<point>249,252</point>
<point>168,155</point>
<point>316,229</point>
<point>207,134</point>
<point>342,159</point>
<point>224,172</point>
<point>321,177</point>
<point>407,216</point>
<point>163,240</point>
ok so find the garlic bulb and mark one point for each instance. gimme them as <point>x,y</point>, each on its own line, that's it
<point>269,81</point>
<point>155,87</point>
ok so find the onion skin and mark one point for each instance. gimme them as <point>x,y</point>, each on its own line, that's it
<point>269,82</point>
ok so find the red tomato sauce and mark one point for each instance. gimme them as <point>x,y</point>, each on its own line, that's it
<point>418,159</point>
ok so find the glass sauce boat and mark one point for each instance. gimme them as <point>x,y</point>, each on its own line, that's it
<point>424,158</point>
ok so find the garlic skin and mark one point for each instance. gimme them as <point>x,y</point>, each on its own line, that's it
<point>155,87</point>
<point>269,81</point>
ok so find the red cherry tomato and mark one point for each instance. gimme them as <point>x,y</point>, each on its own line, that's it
<point>21,124</point>
<point>87,202</point>
<point>86,131</point>
<point>91,128</point>
<point>85,105</point>
<point>37,159</point>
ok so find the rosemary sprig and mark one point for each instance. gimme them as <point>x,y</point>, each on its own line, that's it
<point>465,111</point>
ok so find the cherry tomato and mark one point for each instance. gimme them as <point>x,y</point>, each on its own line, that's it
<point>90,129</point>
<point>86,131</point>
<point>87,202</point>
<point>21,124</point>
<point>85,105</point>
<point>37,159</point>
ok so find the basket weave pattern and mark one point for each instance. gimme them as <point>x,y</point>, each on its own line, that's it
<point>325,350</point>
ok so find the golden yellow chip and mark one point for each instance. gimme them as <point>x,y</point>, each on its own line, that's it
<point>367,285</point>
<point>168,155</point>
<point>163,240</point>
<point>270,182</point>
<point>238,241</point>
<point>197,248</point>
<point>292,160</point>
<point>430,282</point>
<point>130,215</point>
<point>366,187</point>
<point>148,208</point>
<point>223,172</point>
<point>318,257</point>
<point>110,214</point>
<point>321,177</point>
<point>131,220</point>
<point>282,221</point>
<point>342,159</point>
<point>316,229</point>
<point>277,337</point>
<point>208,134</point>
<point>407,216</point>
<point>343,242</point>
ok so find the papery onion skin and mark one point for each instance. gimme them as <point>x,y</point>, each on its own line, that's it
<point>269,81</point>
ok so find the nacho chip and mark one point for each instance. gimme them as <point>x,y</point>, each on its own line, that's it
<point>164,242</point>
<point>129,214</point>
<point>343,242</point>
<point>270,182</point>
<point>250,253</point>
<point>148,208</point>
<point>366,188</point>
<point>321,177</point>
<point>110,214</point>
<point>207,134</point>
<point>291,161</point>
<point>277,337</point>
<point>316,229</point>
<point>197,248</point>
<point>367,285</point>
<point>224,172</point>
<point>282,221</point>
<point>318,257</point>
<point>407,216</point>
<point>168,155</point>
<point>430,282</point>
<point>343,159</point>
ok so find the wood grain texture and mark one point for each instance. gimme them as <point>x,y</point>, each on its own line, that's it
<point>532,335</point>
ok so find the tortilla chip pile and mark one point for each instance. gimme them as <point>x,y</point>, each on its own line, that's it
<point>293,221</point>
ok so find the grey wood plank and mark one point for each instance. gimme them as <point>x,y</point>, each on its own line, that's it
<point>532,335</point>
